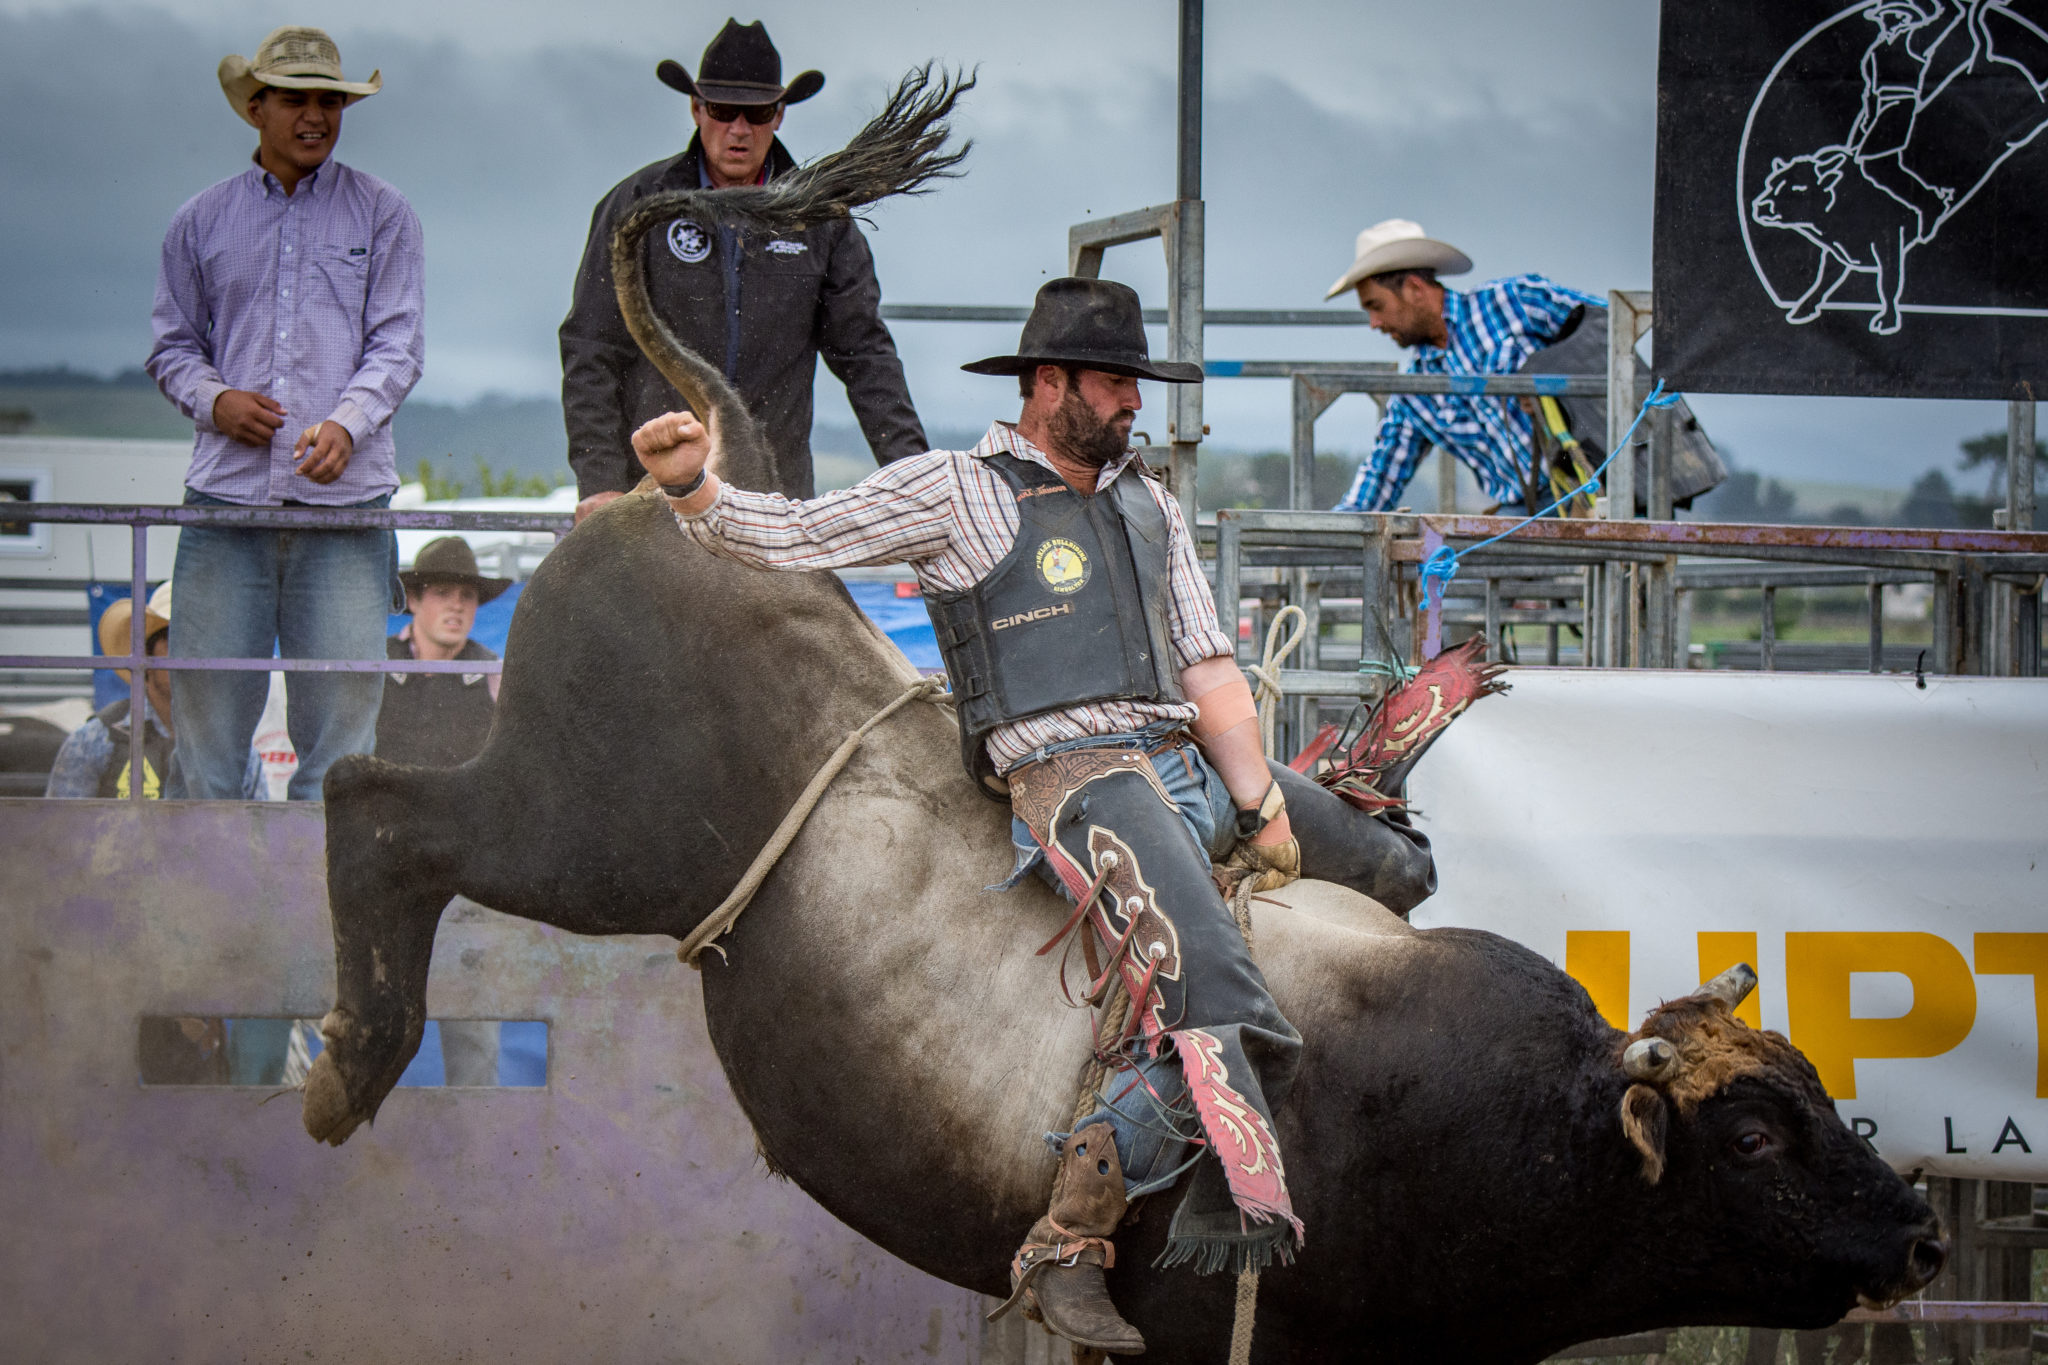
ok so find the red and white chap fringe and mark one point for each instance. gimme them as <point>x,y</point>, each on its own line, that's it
<point>1238,1134</point>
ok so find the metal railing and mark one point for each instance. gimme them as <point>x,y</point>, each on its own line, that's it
<point>140,518</point>
<point>1603,578</point>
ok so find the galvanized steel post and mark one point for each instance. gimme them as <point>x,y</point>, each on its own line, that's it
<point>138,598</point>
<point>2019,465</point>
<point>1374,587</point>
<point>1311,400</point>
<point>1184,253</point>
<point>1228,545</point>
<point>1628,312</point>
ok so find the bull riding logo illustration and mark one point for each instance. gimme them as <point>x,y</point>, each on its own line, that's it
<point>1951,89</point>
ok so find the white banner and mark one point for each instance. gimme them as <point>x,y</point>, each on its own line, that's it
<point>1877,850</point>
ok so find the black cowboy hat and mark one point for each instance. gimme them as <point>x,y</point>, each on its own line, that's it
<point>448,559</point>
<point>741,66</point>
<point>1094,324</point>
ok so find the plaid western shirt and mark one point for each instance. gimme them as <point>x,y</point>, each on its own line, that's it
<point>313,299</point>
<point>953,519</point>
<point>1493,329</point>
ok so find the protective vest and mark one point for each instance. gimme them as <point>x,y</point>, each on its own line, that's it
<point>436,720</point>
<point>1075,613</point>
<point>156,754</point>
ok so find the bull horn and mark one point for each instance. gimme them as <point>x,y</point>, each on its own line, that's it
<point>1731,987</point>
<point>1649,1059</point>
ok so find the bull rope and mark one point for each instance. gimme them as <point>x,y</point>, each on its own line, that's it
<point>721,919</point>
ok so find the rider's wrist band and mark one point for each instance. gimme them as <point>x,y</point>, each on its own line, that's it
<point>684,490</point>
<point>1251,820</point>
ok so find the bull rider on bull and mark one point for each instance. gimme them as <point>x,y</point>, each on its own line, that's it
<point>1097,694</point>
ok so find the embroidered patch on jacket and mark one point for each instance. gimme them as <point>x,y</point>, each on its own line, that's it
<point>782,248</point>
<point>689,242</point>
<point>1062,565</point>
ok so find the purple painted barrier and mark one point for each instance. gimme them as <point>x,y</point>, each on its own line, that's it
<point>616,1214</point>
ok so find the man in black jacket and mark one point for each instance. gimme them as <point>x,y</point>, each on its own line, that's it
<point>763,307</point>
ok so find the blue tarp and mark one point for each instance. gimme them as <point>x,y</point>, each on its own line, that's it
<point>107,686</point>
<point>522,1053</point>
<point>902,619</point>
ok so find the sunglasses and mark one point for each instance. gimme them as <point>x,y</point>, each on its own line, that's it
<point>756,114</point>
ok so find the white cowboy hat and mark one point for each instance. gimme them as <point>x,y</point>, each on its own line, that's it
<point>291,59</point>
<point>1398,244</point>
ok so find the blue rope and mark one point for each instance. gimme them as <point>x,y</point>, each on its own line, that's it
<point>1442,566</point>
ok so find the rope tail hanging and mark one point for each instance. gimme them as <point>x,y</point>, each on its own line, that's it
<point>1267,670</point>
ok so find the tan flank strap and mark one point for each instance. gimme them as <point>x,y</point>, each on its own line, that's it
<point>721,919</point>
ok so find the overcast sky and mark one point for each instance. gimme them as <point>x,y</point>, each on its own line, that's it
<point>1522,132</point>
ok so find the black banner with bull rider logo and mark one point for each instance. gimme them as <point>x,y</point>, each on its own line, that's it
<point>1853,199</point>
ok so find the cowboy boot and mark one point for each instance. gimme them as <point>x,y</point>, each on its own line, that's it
<point>1057,1273</point>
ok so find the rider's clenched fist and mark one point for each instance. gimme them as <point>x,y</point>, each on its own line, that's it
<point>673,447</point>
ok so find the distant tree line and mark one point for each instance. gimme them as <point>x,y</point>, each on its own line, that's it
<point>1933,501</point>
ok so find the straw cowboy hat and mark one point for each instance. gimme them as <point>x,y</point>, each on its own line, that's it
<point>1094,324</point>
<point>1398,244</point>
<point>291,59</point>
<point>156,619</point>
<point>448,559</point>
<point>741,66</point>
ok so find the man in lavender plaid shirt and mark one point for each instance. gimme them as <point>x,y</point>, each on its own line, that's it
<point>287,325</point>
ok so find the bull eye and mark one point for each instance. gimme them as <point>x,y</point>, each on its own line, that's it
<point>1752,1143</point>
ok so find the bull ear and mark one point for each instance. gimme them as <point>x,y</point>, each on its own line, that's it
<point>1643,1120</point>
<point>1778,163</point>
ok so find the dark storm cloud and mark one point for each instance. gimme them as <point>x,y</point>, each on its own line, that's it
<point>1524,161</point>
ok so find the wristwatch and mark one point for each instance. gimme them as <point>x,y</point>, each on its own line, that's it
<point>683,490</point>
<point>1253,819</point>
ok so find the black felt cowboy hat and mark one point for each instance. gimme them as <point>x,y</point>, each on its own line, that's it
<point>741,66</point>
<point>1094,324</point>
<point>449,559</point>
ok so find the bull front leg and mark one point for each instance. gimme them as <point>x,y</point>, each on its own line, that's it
<point>1890,254</point>
<point>1826,276</point>
<point>386,890</point>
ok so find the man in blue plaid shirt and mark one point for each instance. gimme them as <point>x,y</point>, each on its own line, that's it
<point>1490,330</point>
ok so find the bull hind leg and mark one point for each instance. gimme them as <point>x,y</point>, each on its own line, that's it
<point>391,837</point>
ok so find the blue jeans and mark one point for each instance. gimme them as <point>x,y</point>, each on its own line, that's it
<point>1196,788</point>
<point>252,594</point>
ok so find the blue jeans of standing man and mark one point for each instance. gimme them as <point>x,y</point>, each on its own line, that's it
<point>246,594</point>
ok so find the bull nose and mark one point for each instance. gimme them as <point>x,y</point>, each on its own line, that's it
<point>1930,1254</point>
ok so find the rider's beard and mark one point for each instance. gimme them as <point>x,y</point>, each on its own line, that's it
<point>1081,436</point>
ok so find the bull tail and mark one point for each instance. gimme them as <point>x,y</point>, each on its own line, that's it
<point>901,151</point>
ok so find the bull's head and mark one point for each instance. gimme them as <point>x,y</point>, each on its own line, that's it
<point>1737,1117</point>
<point>1799,191</point>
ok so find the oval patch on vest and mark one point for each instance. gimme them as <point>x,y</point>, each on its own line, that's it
<point>689,242</point>
<point>1062,565</point>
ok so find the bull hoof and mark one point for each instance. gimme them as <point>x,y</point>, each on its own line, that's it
<point>328,1115</point>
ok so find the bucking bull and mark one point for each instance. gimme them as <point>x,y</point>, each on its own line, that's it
<point>1488,1171</point>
